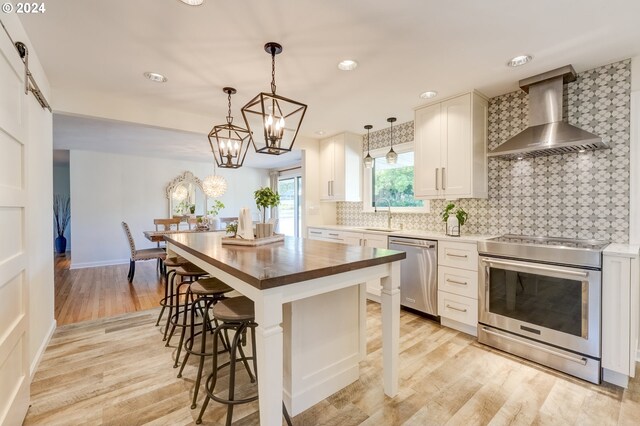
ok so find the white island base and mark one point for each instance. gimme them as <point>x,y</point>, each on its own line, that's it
<point>324,341</point>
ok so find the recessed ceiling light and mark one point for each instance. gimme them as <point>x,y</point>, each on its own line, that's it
<point>320,132</point>
<point>582,150</point>
<point>519,60</point>
<point>154,76</point>
<point>347,65</point>
<point>193,2</point>
<point>520,157</point>
<point>429,94</point>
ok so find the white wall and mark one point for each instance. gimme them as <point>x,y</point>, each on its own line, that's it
<point>107,189</point>
<point>61,186</point>
<point>634,225</point>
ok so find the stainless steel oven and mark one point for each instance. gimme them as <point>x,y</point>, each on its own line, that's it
<point>540,298</point>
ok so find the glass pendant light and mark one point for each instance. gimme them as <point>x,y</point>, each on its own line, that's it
<point>368,160</point>
<point>391,156</point>
<point>229,143</point>
<point>273,121</point>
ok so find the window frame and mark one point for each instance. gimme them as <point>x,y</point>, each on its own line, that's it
<point>367,182</point>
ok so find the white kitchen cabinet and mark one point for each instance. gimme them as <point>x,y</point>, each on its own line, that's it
<point>620,306</point>
<point>450,146</point>
<point>364,239</point>
<point>458,285</point>
<point>340,172</point>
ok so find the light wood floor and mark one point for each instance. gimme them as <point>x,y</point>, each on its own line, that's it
<point>92,293</point>
<point>117,371</point>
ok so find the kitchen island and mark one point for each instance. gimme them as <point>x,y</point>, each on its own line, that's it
<point>310,308</point>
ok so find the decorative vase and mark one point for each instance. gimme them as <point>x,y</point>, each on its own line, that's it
<point>453,226</point>
<point>61,244</point>
<point>264,230</point>
<point>214,222</point>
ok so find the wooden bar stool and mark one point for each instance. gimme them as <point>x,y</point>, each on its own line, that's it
<point>188,273</point>
<point>207,292</point>
<point>172,263</point>
<point>236,314</point>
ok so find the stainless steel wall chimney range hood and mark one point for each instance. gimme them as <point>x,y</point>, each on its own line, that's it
<point>547,134</point>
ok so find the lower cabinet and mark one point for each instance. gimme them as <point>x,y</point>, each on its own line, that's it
<point>620,306</point>
<point>458,286</point>
<point>374,288</point>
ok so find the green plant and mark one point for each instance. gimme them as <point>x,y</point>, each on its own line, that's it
<point>232,228</point>
<point>216,207</point>
<point>460,214</point>
<point>266,197</point>
<point>192,208</point>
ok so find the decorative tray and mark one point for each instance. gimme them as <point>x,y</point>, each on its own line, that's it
<point>253,243</point>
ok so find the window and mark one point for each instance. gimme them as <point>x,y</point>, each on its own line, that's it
<point>392,182</point>
<point>290,190</point>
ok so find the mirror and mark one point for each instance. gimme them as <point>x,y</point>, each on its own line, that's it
<point>186,196</point>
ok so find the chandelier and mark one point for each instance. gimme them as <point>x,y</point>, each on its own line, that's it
<point>273,121</point>
<point>214,186</point>
<point>229,143</point>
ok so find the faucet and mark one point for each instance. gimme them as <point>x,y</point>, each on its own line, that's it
<point>388,210</point>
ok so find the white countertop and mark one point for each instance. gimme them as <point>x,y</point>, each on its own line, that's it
<point>410,233</point>
<point>625,250</point>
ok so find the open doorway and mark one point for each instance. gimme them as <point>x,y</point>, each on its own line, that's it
<point>290,190</point>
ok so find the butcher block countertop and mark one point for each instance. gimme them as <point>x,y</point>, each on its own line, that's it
<point>283,263</point>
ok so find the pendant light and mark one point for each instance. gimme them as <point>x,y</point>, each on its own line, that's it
<point>391,156</point>
<point>273,121</point>
<point>213,185</point>
<point>368,160</point>
<point>229,143</point>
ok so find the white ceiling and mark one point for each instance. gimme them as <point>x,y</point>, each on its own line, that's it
<point>92,134</point>
<point>404,47</point>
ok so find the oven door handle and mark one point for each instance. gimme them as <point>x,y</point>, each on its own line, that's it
<point>537,269</point>
<point>580,360</point>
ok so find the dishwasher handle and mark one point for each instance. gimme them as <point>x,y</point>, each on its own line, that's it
<point>403,243</point>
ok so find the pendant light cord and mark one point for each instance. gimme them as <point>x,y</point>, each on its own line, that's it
<point>273,70</point>
<point>229,117</point>
<point>392,135</point>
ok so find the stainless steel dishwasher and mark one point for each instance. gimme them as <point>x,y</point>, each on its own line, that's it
<point>419,276</point>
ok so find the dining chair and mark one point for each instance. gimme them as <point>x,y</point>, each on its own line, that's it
<point>192,222</point>
<point>143,254</point>
<point>166,225</point>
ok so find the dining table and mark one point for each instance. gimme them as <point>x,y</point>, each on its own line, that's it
<point>310,308</point>
<point>158,236</point>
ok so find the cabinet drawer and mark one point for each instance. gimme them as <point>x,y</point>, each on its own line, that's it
<point>325,235</point>
<point>458,255</point>
<point>458,281</point>
<point>458,308</point>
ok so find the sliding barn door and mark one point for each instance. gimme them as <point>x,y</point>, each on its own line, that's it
<point>14,313</point>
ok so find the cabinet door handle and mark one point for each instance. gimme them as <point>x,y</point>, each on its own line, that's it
<point>331,186</point>
<point>437,188</point>
<point>333,235</point>
<point>456,309</point>
<point>315,232</point>
<point>364,242</point>
<point>443,187</point>
<point>328,188</point>
<point>456,282</point>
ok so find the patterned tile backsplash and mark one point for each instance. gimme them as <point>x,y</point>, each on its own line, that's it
<point>578,195</point>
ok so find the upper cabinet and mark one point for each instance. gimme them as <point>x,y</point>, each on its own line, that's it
<point>451,148</point>
<point>340,173</point>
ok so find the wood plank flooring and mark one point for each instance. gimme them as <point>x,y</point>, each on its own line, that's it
<point>92,293</point>
<point>118,371</point>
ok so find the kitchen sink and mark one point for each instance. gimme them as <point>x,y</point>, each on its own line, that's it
<point>381,229</point>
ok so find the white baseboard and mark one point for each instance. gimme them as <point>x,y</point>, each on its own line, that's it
<point>99,263</point>
<point>36,360</point>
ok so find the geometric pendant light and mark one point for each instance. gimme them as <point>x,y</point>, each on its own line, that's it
<point>273,121</point>
<point>368,160</point>
<point>391,156</point>
<point>229,143</point>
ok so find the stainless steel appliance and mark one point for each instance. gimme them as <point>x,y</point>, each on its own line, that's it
<point>419,273</point>
<point>548,133</point>
<point>540,298</point>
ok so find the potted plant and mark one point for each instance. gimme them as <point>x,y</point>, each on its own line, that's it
<point>265,197</point>
<point>232,228</point>
<point>61,216</point>
<point>454,219</point>
<point>213,212</point>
